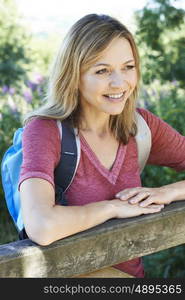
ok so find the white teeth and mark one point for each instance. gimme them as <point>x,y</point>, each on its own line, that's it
<point>116,96</point>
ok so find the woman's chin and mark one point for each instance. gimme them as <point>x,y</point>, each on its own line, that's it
<point>116,111</point>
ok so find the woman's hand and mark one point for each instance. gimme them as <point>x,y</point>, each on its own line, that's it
<point>125,210</point>
<point>147,196</point>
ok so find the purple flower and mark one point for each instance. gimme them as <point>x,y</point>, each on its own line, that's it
<point>40,91</point>
<point>1,116</point>
<point>146,104</point>
<point>28,95</point>
<point>175,83</point>
<point>5,89</point>
<point>32,85</point>
<point>38,78</point>
<point>11,91</point>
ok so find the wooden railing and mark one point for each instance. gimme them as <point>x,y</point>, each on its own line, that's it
<point>112,242</point>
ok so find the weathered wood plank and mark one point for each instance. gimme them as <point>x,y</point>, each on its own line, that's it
<point>102,246</point>
<point>109,272</point>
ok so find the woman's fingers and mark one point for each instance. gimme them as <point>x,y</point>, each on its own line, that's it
<point>135,195</point>
<point>139,197</point>
<point>152,208</point>
<point>128,193</point>
<point>148,201</point>
<point>136,210</point>
<point>126,210</point>
<point>142,196</point>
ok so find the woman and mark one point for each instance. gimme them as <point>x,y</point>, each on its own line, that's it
<point>94,83</point>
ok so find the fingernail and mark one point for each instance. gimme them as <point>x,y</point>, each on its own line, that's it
<point>132,201</point>
<point>117,195</point>
<point>142,204</point>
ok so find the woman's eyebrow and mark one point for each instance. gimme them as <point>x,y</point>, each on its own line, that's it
<point>107,65</point>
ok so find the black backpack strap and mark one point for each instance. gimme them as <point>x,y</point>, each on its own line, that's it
<point>22,234</point>
<point>65,171</point>
<point>66,168</point>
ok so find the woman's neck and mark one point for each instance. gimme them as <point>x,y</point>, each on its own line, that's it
<point>94,123</point>
<point>99,127</point>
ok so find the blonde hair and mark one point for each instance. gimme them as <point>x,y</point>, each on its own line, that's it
<point>81,47</point>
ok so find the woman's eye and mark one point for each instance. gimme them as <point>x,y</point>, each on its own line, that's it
<point>129,67</point>
<point>102,71</point>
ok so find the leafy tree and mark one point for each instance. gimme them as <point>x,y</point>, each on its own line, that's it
<point>160,35</point>
<point>14,58</point>
<point>161,40</point>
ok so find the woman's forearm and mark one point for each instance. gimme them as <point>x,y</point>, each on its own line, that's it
<point>178,189</point>
<point>62,221</point>
<point>46,222</point>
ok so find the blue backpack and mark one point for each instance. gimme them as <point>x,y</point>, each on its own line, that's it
<point>63,174</point>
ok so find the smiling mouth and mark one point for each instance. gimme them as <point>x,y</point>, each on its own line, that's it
<point>115,97</point>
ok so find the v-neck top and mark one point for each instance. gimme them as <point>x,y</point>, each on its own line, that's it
<point>92,181</point>
<point>112,173</point>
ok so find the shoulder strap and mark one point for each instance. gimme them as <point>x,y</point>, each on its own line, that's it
<point>70,156</point>
<point>143,139</point>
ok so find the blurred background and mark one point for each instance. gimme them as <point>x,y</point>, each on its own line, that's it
<point>30,34</point>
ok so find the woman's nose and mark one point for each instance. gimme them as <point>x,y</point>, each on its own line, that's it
<point>117,80</point>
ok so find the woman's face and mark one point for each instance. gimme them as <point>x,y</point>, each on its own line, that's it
<point>106,85</point>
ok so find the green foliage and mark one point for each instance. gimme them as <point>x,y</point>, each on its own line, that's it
<point>7,126</point>
<point>168,263</point>
<point>160,35</point>
<point>13,107</point>
<point>14,59</point>
<point>167,102</point>
<point>22,88</point>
